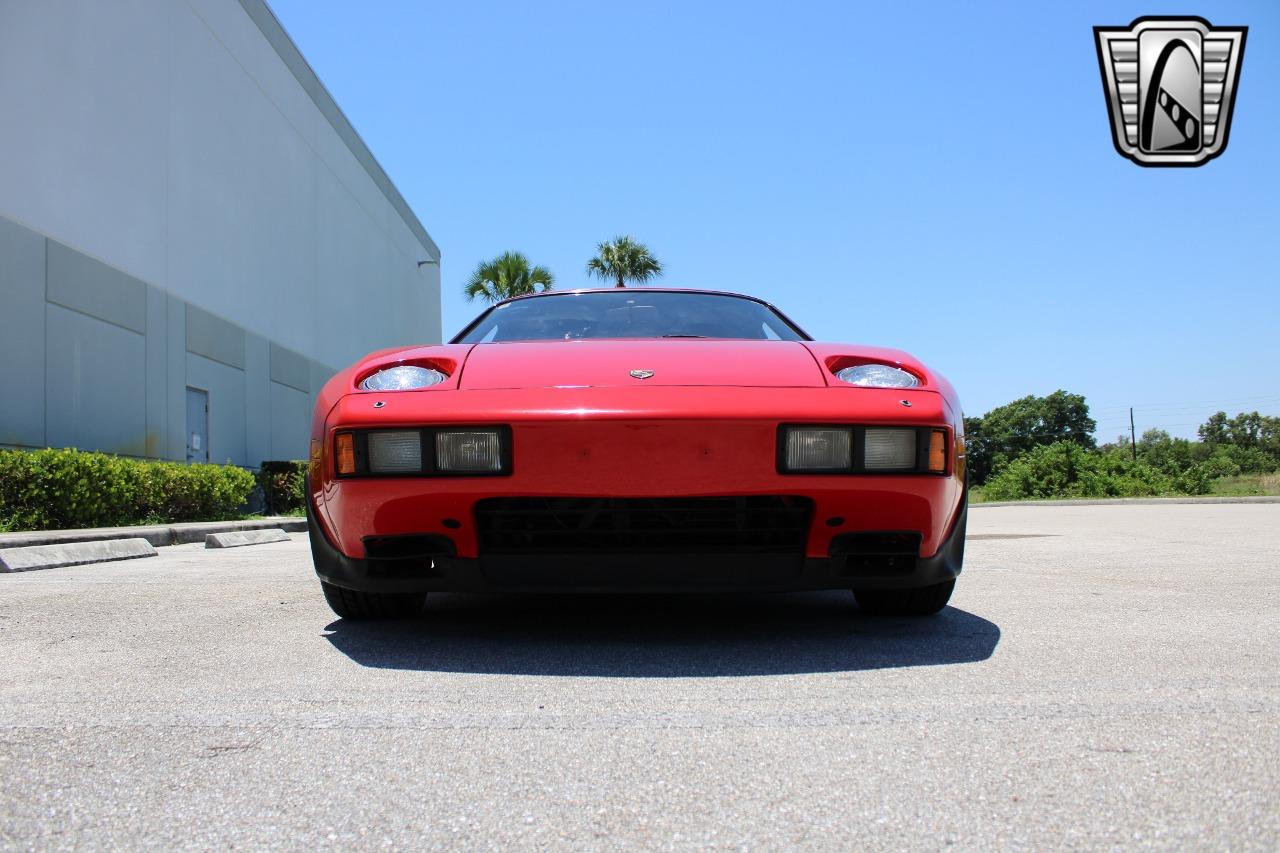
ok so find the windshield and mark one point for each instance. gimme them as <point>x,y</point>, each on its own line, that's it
<point>631,313</point>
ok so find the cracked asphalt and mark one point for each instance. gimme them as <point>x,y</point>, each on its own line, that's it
<point>1107,676</point>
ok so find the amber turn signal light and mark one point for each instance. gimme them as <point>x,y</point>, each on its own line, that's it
<point>938,452</point>
<point>345,445</point>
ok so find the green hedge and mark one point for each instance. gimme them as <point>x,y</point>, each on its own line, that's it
<point>283,485</point>
<point>55,489</point>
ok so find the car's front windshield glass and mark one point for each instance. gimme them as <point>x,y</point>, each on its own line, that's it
<point>630,313</point>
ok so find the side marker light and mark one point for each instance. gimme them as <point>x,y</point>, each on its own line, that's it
<point>345,456</point>
<point>938,452</point>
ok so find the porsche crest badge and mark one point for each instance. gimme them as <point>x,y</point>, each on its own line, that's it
<point>1170,85</point>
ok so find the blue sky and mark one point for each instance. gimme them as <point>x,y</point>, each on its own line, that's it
<point>935,177</point>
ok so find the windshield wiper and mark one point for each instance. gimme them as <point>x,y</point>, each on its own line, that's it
<point>685,336</point>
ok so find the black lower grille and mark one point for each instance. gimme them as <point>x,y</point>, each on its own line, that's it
<point>878,552</point>
<point>770,524</point>
<point>410,547</point>
<point>406,556</point>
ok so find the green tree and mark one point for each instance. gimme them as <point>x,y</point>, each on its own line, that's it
<point>1171,455</point>
<point>1249,438</point>
<point>1214,430</point>
<point>1154,436</point>
<point>622,260</point>
<point>506,276</point>
<point>1006,432</point>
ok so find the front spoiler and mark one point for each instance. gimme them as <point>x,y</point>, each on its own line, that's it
<point>628,572</point>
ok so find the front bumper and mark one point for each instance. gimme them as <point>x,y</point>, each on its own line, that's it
<point>633,444</point>
<point>633,572</point>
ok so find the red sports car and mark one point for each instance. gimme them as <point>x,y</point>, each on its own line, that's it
<point>639,439</point>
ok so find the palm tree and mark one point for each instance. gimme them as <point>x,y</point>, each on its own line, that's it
<point>505,276</point>
<point>622,260</point>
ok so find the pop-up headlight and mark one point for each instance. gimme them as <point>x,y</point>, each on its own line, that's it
<point>404,377</point>
<point>877,376</point>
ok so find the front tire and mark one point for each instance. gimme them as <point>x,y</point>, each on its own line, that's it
<point>923,601</point>
<point>350,604</point>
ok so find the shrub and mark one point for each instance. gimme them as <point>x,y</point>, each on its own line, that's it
<point>1250,460</point>
<point>1193,481</point>
<point>51,489</point>
<point>1220,465</point>
<point>1066,470</point>
<point>283,485</point>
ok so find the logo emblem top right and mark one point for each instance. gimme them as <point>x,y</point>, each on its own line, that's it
<point>1170,85</point>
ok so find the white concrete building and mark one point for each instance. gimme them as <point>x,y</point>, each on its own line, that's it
<point>193,238</point>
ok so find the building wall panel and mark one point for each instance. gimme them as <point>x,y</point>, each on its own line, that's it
<point>240,191</point>
<point>96,393</point>
<point>257,398</point>
<point>175,350</point>
<point>290,368</point>
<point>290,422</point>
<point>214,338</point>
<point>352,277</point>
<point>320,374</point>
<point>79,282</point>
<point>22,331</point>
<point>157,379</point>
<point>84,97</point>
<point>243,39</point>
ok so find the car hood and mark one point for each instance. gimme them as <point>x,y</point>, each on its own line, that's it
<point>550,364</point>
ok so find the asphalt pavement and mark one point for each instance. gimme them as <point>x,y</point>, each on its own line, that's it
<point>1107,676</point>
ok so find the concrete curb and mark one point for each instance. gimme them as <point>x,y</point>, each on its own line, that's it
<point>158,535</point>
<point>240,538</point>
<point>35,557</point>
<point>1243,499</point>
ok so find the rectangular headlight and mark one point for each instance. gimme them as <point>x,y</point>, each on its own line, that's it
<point>469,451</point>
<point>819,449</point>
<point>395,452</point>
<point>889,449</point>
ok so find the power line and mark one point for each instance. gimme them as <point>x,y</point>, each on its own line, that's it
<point>1190,404</point>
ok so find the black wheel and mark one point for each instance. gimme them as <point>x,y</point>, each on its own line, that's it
<point>922,601</point>
<point>350,604</point>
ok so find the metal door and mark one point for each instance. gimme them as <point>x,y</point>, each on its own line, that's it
<point>197,425</point>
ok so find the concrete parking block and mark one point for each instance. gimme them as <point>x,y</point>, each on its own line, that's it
<point>73,554</point>
<point>239,538</point>
<point>159,535</point>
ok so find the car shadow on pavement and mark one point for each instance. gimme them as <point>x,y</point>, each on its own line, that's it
<point>661,636</point>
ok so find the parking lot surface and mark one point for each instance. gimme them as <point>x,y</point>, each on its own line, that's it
<point>1107,676</point>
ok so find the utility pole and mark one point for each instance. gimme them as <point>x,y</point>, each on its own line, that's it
<point>1133,436</point>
